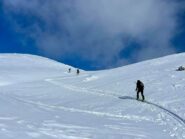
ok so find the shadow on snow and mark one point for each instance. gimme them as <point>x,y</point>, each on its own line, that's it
<point>172,114</point>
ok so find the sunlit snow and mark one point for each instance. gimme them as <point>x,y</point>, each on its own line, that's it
<point>39,99</point>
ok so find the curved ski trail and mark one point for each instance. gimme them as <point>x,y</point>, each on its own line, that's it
<point>167,111</point>
<point>100,93</point>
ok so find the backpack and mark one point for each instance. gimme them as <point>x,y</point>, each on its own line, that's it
<point>141,84</point>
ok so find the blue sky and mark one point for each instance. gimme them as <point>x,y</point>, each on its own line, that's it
<point>93,34</point>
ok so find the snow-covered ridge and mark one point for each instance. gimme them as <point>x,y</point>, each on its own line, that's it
<point>40,99</point>
<point>15,68</point>
<point>27,60</point>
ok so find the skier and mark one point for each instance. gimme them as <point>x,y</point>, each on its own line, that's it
<point>69,70</point>
<point>77,71</point>
<point>140,88</point>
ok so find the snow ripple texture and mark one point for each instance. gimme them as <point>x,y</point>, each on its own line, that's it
<point>39,99</point>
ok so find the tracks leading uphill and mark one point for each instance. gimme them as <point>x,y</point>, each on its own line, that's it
<point>167,111</point>
<point>101,92</point>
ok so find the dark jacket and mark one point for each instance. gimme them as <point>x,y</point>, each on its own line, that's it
<point>139,86</point>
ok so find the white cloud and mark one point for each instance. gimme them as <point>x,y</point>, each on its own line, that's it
<point>96,29</point>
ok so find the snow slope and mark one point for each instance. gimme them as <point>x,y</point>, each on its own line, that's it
<point>40,99</point>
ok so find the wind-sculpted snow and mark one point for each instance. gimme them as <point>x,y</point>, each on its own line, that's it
<point>40,99</point>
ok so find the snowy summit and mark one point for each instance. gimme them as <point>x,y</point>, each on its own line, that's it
<point>40,99</point>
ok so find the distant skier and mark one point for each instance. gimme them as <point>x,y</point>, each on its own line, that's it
<point>140,88</point>
<point>69,70</point>
<point>77,71</point>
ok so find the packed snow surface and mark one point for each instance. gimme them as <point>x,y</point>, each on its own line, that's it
<point>39,99</point>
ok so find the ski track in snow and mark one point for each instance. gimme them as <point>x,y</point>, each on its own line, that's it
<point>46,129</point>
<point>101,114</point>
<point>167,111</point>
<point>79,89</point>
<point>94,112</point>
<point>100,93</point>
